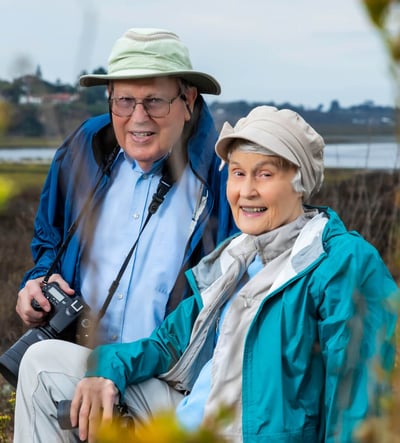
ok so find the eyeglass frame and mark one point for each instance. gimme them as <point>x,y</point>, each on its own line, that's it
<point>112,100</point>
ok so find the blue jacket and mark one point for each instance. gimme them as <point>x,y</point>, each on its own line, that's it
<point>311,351</point>
<point>78,164</point>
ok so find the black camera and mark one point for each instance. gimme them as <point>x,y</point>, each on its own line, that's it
<point>65,320</point>
<point>63,415</point>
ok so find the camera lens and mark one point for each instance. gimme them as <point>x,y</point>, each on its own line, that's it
<point>63,415</point>
<point>10,360</point>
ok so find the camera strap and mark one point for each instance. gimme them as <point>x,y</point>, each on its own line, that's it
<point>169,177</point>
<point>165,184</point>
<point>74,226</point>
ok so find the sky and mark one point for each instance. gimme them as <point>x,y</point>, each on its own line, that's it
<point>305,52</point>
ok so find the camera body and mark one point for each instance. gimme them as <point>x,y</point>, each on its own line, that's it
<point>65,309</point>
<point>62,324</point>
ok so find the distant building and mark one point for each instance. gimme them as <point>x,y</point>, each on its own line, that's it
<point>54,99</point>
<point>25,99</point>
<point>60,97</point>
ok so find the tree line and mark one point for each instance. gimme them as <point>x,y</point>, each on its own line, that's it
<point>33,107</point>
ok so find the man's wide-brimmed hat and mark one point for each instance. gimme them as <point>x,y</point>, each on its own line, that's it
<point>280,132</point>
<point>147,53</point>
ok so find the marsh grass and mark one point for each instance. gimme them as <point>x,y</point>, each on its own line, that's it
<point>28,142</point>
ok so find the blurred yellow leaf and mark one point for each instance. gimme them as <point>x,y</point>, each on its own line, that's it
<point>165,428</point>
<point>6,191</point>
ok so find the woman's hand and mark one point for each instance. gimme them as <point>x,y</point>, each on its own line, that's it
<point>93,402</point>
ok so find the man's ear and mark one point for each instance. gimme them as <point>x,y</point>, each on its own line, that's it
<point>110,88</point>
<point>189,97</point>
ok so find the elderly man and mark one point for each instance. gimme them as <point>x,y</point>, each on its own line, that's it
<point>159,132</point>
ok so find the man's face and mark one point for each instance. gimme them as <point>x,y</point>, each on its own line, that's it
<point>147,139</point>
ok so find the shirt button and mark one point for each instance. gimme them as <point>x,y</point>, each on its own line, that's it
<point>145,176</point>
<point>114,337</point>
<point>136,215</point>
<point>120,296</point>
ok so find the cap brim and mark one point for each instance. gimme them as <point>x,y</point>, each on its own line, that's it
<point>205,83</point>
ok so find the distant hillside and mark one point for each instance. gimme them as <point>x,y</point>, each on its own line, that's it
<point>356,123</point>
<point>32,107</point>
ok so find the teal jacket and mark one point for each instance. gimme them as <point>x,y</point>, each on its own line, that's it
<point>311,351</point>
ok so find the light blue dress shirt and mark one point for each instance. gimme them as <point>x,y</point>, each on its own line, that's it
<point>138,305</point>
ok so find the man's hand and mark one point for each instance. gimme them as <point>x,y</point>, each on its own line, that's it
<point>32,290</point>
<point>93,402</point>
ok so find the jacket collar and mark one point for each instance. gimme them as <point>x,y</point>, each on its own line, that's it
<point>202,142</point>
<point>307,249</point>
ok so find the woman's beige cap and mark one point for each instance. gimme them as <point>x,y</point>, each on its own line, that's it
<point>147,52</point>
<point>286,134</point>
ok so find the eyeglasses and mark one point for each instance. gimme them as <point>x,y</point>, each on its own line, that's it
<point>154,106</point>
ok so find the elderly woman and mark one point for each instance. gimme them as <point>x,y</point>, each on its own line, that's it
<point>287,323</point>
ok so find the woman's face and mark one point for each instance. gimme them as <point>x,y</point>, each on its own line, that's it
<point>143,138</point>
<point>260,193</point>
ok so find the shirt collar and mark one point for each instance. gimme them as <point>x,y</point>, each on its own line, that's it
<point>155,169</point>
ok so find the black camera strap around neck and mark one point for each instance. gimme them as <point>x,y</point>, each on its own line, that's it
<point>167,179</point>
<point>164,185</point>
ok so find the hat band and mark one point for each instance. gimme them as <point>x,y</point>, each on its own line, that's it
<point>147,60</point>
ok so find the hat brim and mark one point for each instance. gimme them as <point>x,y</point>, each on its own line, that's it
<point>205,83</point>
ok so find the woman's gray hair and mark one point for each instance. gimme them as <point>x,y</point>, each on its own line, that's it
<point>297,183</point>
<point>245,146</point>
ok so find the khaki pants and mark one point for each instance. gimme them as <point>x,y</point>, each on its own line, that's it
<point>49,372</point>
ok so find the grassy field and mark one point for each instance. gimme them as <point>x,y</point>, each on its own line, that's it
<point>29,142</point>
<point>20,186</point>
<point>17,211</point>
<point>24,175</point>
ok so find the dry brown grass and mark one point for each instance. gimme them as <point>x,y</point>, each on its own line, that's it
<point>16,228</point>
<point>369,203</point>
